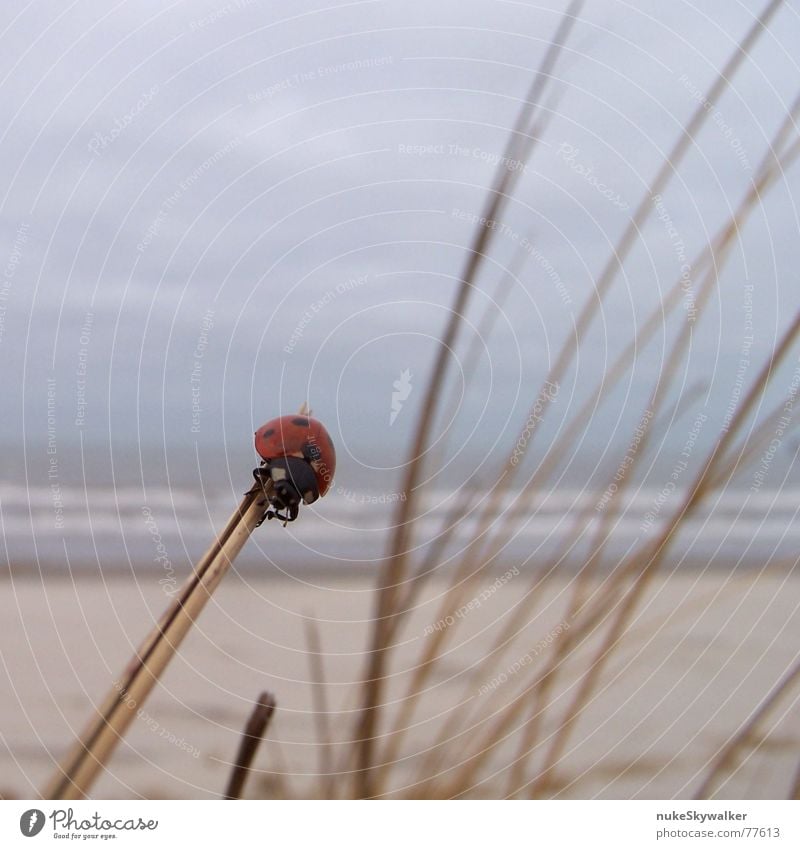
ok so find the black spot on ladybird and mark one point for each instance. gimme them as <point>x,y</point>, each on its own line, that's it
<point>300,422</point>
<point>267,433</point>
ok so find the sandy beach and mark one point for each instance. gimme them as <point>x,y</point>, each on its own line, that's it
<point>702,652</point>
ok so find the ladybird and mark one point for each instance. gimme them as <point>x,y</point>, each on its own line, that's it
<point>300,460</point>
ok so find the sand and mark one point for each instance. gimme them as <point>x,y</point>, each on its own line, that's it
<point>701,654</point>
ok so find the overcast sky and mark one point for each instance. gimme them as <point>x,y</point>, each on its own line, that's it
<point>212,211</point>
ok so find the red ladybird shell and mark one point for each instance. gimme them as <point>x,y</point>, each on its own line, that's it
<point>299,436</point>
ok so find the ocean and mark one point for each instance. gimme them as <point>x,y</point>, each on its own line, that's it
<point>163,529</point>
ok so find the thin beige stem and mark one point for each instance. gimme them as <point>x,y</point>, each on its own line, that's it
<point>321,712</point>
<point>77,772</point>
<point>727,757</point>
<point>394,571</point>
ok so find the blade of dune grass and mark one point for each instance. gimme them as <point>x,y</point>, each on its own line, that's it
<point>468,569</point>
<point>469,363</point>
<point>111,720</point>
<point>624,245</point>
<point>494,307</point>
<point>756,193</point>
<point>742,457</point>
<point>713,257</point>
<point>581,589</point>
<point>795,791</point>
<point>768,173</point>
<point>605,530</point>
<point>465,501</point>
<point>715,253</point>
<point>628,238</point>
<point>321,712</point>
<point>251,739</point>
<point>769,170</point>
<point>468,721</point>
<point>628,604</point>
<point>465,497</point>
<point>726,759</point>
<point>642,565</point>
<point>655,553</point>
<point>518,148</point>
<point>456,595</point>
<point>668,167</point>
<point>520,615</point>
